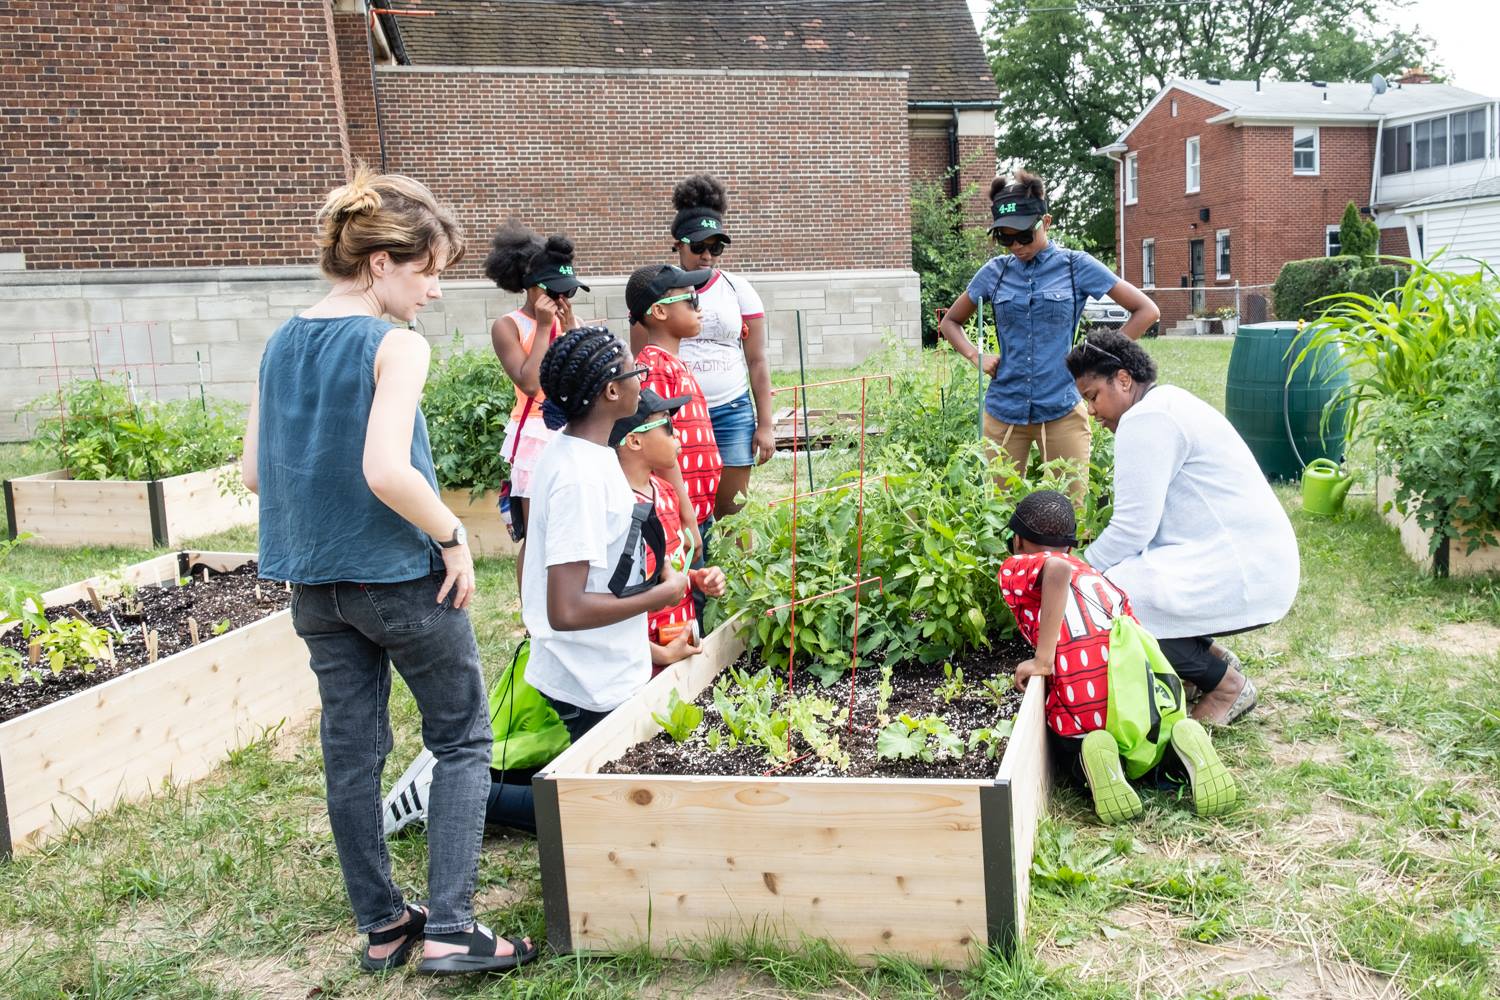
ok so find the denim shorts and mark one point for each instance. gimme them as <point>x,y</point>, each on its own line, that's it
<point>734,430</point>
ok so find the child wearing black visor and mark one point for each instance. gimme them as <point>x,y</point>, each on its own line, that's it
<point>1072,616</point>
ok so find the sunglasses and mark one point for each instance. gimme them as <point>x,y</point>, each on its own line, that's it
<point>560,295</point>
<point>652,425</point>
<point>691,298</point>
<point>1024,237</point>
<point>639,373</point>
<point>1089,345</point>
<point>714,247</point>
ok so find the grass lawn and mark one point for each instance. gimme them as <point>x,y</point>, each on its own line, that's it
<point>1364,861</point>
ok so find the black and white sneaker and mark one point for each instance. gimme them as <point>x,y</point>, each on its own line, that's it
<point>407,802</point>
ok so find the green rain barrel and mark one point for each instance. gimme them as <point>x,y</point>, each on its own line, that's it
<point>1281,422</point>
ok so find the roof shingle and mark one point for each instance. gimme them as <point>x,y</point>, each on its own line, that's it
<point>934,41</point>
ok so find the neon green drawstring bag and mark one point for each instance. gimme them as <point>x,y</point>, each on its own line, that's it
<point>528,731</point>
<point>1145,697</point>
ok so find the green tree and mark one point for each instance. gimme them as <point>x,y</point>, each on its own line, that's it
<point>1357,238</point>
<point>1071,77</point>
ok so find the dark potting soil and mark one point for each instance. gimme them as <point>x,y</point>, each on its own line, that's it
<point>226,597</point>
<point>914,692</point>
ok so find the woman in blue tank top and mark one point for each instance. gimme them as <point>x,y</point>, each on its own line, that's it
<point>380,569</point>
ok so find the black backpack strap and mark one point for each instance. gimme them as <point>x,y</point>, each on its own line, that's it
<point>644,524</point>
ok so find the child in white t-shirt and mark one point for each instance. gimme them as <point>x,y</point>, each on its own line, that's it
<point>583,597</point>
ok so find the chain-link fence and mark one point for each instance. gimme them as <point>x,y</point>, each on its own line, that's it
<point>1207,309</point>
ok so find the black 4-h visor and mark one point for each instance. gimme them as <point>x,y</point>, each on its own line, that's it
<point>555,277</point>
<point>1016,212</point>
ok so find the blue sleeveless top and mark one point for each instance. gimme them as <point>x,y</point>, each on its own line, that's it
<point>319,522</point>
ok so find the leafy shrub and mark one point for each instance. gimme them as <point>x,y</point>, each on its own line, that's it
<point>1302,282</point>
<point>1377,281</point>
<point>1358,237</point>
<point>102,433</point>
<point>945,252</point>
<point>467,402</point>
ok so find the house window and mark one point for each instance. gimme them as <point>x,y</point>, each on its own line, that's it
<point>1174,107</point>
<point>1332,246</point>
<point>1476,129</point>
<point>1148,263</point>
<point>1192,165</point>
<point>1421,145</point>
<point>1221,253</point>
<point>1132,179</point>
<point>1395,149</point>
<point>1304,150</point>
<point>1439,142</point>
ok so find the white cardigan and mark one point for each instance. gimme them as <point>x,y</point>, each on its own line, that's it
<point>1197,540</point>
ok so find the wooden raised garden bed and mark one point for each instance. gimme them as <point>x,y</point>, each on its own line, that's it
<point>173,719</point>
<point>932,869</point>
<point>1451,559</point>
<point>481,517</point>
<point>58,510</point>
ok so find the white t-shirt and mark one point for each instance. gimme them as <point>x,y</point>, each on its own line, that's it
<point>580,512</point>
<point>716,357</point>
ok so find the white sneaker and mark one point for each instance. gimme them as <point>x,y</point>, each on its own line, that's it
<point>407,802</point>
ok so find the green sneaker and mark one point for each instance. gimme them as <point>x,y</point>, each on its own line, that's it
<point>1114,799</point>
<point>1213,786</point>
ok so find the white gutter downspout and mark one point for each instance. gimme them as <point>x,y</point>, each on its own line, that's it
<point>1375,168</point>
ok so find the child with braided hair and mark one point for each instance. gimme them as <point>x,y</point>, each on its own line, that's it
<point>583,593</point>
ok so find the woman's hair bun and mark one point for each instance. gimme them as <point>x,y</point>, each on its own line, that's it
<point>699,191</point>
<point>1021,183</point>
<point>358,197</point>
<point>560,247</point>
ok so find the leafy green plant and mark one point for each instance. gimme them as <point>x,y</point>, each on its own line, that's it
<point>944,252</point>
<point>1302,284</point>
<point>682,719</point>
<point>1357,236</point>
<point>992,738</point>
<point>21,607</point>
<point>73,643</point>
<point>467,402</point>
<point>221,626</point>
<point>951,688</point>
<point>924,739</point>
<point>103,432</point>
<point>883,691</point>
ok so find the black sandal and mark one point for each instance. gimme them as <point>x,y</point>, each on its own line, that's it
<point>411,931</point>
<point>480,957</point>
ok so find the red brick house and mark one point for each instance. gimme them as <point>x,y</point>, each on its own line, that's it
<point>1221,182</point>
<point>160,163</point>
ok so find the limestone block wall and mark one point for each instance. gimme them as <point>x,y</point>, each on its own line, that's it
<point>176,329</point>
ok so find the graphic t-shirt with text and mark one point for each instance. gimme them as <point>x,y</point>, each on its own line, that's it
<point>716,357</point>
<point>699,458</point>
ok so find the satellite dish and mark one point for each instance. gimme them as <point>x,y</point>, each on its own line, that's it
<point>1378,84</point>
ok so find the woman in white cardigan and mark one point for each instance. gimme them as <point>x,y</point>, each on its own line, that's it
<point>1197,539</point>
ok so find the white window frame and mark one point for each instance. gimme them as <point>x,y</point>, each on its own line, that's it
<point>1193,163</point>
<point>1330,236</point>
<point>1316,151</point>
<point>1148,262</point>
<point>1222,244</point>
<point>1132,178</point>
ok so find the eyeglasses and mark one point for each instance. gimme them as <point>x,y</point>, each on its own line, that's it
<point>639,373</point>
<point>1089,345</point>
<point>665,421</point>
<point>1024,237</point>
<point>691,298</point>
<point>559,295</point>
<point>714,247</point>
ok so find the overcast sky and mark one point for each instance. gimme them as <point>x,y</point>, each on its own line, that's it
<point>1465,32</point>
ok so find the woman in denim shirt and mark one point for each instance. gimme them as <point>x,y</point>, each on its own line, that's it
<point>1036,293</point>
<point>350,515</point>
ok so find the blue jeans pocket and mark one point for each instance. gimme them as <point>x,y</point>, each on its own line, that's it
<point>409,606</point>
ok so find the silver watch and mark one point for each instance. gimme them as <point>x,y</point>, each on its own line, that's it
<point>460,537</point>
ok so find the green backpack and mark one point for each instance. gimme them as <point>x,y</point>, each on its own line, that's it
<point>528,731</point>
<point>1145,697</point>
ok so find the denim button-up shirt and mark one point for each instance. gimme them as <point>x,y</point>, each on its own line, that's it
<point>1035,307</point>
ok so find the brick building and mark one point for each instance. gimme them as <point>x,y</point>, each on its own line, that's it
<point>160,164</point>
<point>1221,182</point>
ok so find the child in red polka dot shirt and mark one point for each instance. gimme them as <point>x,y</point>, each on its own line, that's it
<point>1065,609</point>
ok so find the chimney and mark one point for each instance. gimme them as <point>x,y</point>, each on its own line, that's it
<point>1415,74</point>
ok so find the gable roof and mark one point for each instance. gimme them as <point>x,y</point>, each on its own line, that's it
<point>1295,101</point>
<point>934,41</point>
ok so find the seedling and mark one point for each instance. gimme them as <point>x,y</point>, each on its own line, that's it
<point>925,739</point>
<point>683,718</point>
<point>221,626</point>
<point>992,739</point>
<point>952,686</point>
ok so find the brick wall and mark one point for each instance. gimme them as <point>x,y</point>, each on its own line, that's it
<point>976,157</point>
<point>1248,188</point>
<point>817,176</point>
<point>148,135</point>
<point>351,34</point>
<point>1393,242</point>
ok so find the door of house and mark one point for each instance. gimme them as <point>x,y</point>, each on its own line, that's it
<point>1195,266</point>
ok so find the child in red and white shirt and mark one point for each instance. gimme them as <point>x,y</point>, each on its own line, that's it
<point>645,445</point>
<point>1066,609</point>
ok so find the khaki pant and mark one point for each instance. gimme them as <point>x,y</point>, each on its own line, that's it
<point>1069,436</point>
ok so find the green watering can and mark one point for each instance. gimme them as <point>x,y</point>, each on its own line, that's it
<point>1324,486</point>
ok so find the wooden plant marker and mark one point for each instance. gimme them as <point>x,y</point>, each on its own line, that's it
<point>205,574</point>
<point>193,629</point>
<point>151,646</point>
<point>94,598</point>
<point>34,653</point>
<point>258,597</point>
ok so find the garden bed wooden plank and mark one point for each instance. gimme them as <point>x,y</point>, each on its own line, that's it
<point>1451,558</point>
<point>926,868</point>
<point>176,719</point>
<point>57,510</point>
